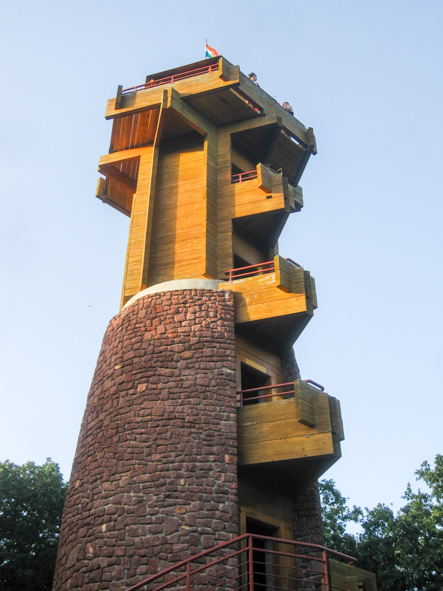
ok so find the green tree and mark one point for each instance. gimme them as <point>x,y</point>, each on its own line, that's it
<point>419,528</point>
<point>377,548</point>
<point>31,505</point>
<point>336,517</point>
<point>405,551</point>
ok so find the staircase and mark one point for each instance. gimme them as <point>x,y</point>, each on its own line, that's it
<point>260,563</point>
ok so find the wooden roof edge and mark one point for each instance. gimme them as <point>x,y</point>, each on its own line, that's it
<point>113,113</point>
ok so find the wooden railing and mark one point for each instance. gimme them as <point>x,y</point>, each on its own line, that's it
<point>252,563</point>
<point>171,79</point>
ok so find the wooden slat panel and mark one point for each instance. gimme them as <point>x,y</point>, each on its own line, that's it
<point>319,444</point>
<point>337,423</point>
<point>259,297</point>
<point>134,130</point>
<point>304,404</point>
<point>346,577</point>
<point>272,431</point>
<point>179,215</point>
<point>114,195</point>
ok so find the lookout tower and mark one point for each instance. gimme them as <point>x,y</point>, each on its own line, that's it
<point>198,429</point>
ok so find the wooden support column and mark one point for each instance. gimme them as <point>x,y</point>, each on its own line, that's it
<point>209,263</point>
<point>225,200</point>
<point>140,230</point>
<point>135,276</point>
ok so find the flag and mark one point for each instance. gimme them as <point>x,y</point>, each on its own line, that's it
<point>210,52</point>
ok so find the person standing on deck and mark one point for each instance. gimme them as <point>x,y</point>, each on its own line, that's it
<point>253,78</point>
<point>287,107</point>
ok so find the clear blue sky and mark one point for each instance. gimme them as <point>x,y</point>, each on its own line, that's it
<point>366,75</point>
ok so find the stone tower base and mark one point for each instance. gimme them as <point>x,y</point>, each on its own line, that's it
<point>154,476</point>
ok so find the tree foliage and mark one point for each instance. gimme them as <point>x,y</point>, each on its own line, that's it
<point>336,516</point>
<point>31,505</point>
<point>405,551</point>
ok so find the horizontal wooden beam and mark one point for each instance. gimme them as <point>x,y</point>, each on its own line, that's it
<point>134,103</point>
<point>118,176</point>
<point>188,113</point>
<point>123,155</point>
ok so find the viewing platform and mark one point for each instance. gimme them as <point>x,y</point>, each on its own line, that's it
<point>275,300</point>
<point>213,87</point>
<point>294,427</point>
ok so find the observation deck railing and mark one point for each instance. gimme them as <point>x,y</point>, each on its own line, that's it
<point>248,399</point>
<point>251,270</point>
<point>241,177</point>
<point>171,79</point>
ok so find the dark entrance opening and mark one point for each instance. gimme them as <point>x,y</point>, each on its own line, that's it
<point>264,563</point>
<point>239,262</point>
<point>253,378</point>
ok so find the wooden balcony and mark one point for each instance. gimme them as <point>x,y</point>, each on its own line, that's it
<point>347,577</point>
<point>298,433</point>
<point>262,190</point>
<point>274,301</point>
<point>210,86</point>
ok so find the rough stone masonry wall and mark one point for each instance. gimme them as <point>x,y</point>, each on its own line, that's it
<point>308,525</point>
<point>154,476</point>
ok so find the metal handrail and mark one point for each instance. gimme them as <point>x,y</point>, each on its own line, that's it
<point>232,273</point>
<point>171,79</point>
<point>260,389</point>
<point>274,386</point>
<point>258,269</point>
<point>316,384</point>
<point>293,263</point>
<point>241,177</point>
<point>244,546</point>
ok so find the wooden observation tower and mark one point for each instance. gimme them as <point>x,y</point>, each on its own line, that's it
<point>199,437</point>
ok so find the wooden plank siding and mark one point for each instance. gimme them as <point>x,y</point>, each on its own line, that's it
<point>256,357</point>
<point>274,431</point>
<point>346,577</point>
<point>271,294</point>
<point>179,216</point>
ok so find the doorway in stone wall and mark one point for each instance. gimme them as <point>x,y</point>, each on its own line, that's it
<point>264,564</point>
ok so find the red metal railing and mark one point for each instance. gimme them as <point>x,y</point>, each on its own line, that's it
<point>250,270</point>
<point>316,384</point>
<point>252,174</point>
<point>171,79</point>
<point>241,177</point>
<point>249,562</point>
<point>245,395</point>
<point>293,263</point>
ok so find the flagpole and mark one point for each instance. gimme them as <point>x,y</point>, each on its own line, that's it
<point>206,42</point>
